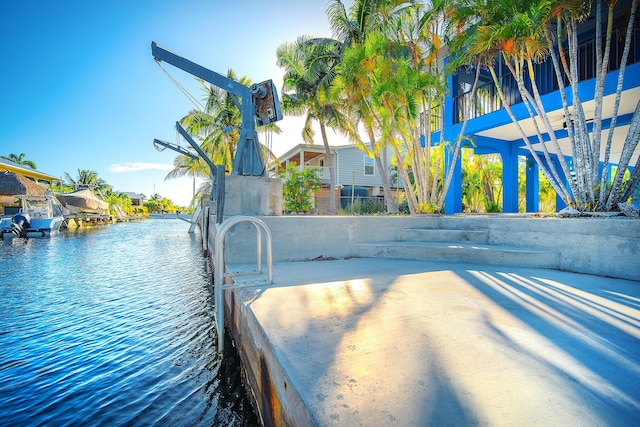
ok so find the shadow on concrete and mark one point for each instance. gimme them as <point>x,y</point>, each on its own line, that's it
<point>378,341</point>
<point>329,329</point>
<point>593,324</point>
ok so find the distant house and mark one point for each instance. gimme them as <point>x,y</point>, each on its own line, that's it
<point>137,199</point>
<point>353,168</point>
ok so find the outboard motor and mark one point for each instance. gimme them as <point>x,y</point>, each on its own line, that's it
<point>20,224</point>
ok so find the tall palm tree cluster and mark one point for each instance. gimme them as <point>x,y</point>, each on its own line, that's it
<point>381,80</point>
<point>378,82</point>
<point>526,33</point>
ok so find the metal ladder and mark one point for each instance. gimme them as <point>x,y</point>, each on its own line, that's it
<point>220,274</point>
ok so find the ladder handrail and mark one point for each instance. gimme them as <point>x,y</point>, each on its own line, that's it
<point>219,284</point>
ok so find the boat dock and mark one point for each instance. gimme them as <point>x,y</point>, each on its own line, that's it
<point>365,342</point>
<point>87,220</point>
<point>352,335</point>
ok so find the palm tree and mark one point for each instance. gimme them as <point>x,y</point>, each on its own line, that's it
<point>20,160</point>
<point>304,92</point>
<point>536,31</point>
<point>372,84</point>
<point>89,178</point>
<point>216,126</point>
<point>351,28</point>
<point>394,66</point>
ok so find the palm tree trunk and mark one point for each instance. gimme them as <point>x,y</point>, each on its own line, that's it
<point>529,103</point>
<point>630,144</point>
<point>634,181</point>
<point>408,189</point>
<point>621,72</point>
<point>384,177</point>
<point>332,171</point>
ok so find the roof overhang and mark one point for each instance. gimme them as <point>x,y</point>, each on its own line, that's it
<point>6,165</point>
<point>510,132</point>
<point>308,151</point>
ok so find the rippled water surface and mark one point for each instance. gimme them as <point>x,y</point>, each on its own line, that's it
<point>113,326</point>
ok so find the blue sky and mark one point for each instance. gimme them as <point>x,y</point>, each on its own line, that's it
<point>80,89</point>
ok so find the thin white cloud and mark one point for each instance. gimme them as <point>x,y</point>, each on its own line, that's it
<point>138,166</point>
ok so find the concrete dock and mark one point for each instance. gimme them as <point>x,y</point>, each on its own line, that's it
<point>373,342</point>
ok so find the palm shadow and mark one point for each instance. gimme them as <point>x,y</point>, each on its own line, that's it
<point>593,321</point>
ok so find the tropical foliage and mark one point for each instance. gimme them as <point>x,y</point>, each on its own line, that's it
<point>159,204</point>
<point>118,202</point>
<point>304,91</point>
<point>384,76</point>
<point>522,34</point>
<point>20,160</point>
<point>87,178</point>
<point>298,188</point>
<point>382,81</point>
<point>481,182</point>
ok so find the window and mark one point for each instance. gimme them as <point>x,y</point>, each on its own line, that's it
<point>369,169</point>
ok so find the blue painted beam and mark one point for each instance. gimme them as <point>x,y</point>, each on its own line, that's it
<point>453,198</point>
<point>622,120</point>
<point>552,101</point>
<point>509,180</point>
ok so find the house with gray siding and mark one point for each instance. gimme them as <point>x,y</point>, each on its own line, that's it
<point>353,167</point>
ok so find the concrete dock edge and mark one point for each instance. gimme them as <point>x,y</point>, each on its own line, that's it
<point>606,248</point>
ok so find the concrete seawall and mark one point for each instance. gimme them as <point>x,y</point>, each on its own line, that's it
<point>608,247</point>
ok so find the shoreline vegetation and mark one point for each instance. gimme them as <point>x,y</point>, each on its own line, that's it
<point>120,204</point>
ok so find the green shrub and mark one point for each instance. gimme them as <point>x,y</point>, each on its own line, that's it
<point>298,187</point>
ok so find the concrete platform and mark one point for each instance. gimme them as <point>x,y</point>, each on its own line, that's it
<point>373,342</point>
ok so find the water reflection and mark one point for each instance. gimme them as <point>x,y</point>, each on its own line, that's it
<point>113,326</point>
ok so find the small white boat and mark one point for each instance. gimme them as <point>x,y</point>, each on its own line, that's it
<point>84,201</point>
<point>39,216</point>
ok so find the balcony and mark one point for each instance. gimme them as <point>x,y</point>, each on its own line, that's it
<point>487,99</point>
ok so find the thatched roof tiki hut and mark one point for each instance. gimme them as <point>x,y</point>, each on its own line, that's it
<point>12,184</point>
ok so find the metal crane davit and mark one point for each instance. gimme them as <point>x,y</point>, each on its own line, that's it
<point>257,103</point>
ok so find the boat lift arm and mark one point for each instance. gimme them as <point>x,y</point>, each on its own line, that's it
<point>173,147</point>
<point>258,102</point>
<point>216,171</point>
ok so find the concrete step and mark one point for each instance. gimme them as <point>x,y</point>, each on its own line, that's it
<point>443,235</point>
<point>460,253</point>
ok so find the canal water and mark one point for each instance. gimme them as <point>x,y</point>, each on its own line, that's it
<point>113,326</point>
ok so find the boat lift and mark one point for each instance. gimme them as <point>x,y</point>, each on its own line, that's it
<point>217,171</point>
<point>257,104</point>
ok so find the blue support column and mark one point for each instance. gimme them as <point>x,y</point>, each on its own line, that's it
<point>509,180</point>
<point>533,185</point>
<point>453,198</point>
